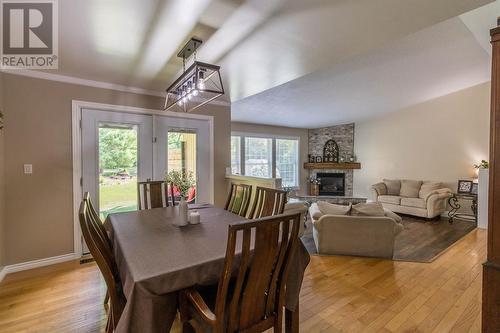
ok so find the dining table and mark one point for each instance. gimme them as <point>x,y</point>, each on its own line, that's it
<point>156,259</point>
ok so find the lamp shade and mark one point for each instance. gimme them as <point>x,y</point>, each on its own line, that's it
<point>198,85</point>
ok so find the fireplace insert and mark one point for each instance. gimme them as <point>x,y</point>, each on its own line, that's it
<point>331,183</point>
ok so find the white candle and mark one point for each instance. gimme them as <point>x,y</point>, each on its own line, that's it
<point>194,218</point>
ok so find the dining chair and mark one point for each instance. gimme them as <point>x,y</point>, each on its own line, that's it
<point>100,228</point>
<point>267,202</point>
<point>98,247</point>
<point>252,301</point>
<point>154,194</point>
<point>238,200</point>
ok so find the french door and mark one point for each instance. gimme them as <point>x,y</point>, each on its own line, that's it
<point>117,152</point>
<point>120,149</point>
<point>184,144</point>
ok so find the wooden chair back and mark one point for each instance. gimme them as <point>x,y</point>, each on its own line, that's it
<point>258,296</point>
<point>96,219</point>
<point>153,194</point>
<point>101,252</point>
<point>238,200</point>
<point>267,202</point>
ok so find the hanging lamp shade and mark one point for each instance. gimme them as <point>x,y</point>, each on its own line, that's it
<point>196,86</point>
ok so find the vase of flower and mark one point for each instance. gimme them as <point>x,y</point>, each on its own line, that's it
<point>182,181</point>
<point>183,212</point>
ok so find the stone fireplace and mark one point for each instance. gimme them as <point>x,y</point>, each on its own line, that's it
<point>331,183</point>
<point>344,137</point>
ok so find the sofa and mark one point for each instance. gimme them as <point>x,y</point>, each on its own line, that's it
<point>412,197</point>
<point>359,235</point>
<point>297,207</point>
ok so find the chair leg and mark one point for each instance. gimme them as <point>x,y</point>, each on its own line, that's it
<point>184,314</point>
<point>109,324</point>
<point>292,320</point>
<point>278,324</point>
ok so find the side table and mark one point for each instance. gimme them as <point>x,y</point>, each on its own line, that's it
<point>454,203</point>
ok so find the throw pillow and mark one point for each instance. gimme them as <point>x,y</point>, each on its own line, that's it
<point>427,188</point>
<point>410,188</point>
<point>368,209</point>
<point>393,186</point>
<point>332,209</point>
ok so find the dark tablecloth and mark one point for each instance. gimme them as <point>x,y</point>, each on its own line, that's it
<point>157,259</point>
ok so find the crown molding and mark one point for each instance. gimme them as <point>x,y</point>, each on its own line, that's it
<point>93,83</point>
<point>82,82</point>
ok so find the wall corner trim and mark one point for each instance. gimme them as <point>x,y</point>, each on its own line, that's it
<point>36,263</point>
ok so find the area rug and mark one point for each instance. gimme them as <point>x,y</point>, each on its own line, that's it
<point>420,241</point>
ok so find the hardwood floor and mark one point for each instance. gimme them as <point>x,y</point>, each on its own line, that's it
<point>339,294</point>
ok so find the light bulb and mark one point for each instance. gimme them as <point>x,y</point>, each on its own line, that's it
<point>184,99</point>
<point>201,84</point>
<point>189,96</point>
<point>179,102</point>
<point>195,92</point>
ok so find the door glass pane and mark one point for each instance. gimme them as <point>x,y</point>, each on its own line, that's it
<point>258,157</point>
<point>117,168</point>
<point>235,155</point>
<point>181,155</point>
<point>287,160</point>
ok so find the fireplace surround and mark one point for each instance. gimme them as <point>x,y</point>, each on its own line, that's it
<point>344,137</point>
<point>331,183</point>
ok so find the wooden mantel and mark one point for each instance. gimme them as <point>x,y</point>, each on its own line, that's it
<point>338,166</point>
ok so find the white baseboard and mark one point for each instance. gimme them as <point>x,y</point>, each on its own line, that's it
<point>36,263</point>
<point>2,273</point>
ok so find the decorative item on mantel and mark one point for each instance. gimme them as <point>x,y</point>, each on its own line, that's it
<point>183,181</point>
<point>196,86</point>
<point>331,152</point>
<point>314,185</point>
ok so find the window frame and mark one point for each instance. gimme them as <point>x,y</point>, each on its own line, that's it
<point>273,137</point>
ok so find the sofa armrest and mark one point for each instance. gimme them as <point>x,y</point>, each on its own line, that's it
<point>392,215</point>
<point>436,202</point>
<point>438,194</point>
<point>314,212</point>
<point>379,188</point>
<point>398,227</point>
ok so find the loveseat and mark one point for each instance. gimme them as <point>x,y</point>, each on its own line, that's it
<point>358,235</point>
<point>413,197</point>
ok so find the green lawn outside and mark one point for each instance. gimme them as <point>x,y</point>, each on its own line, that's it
<point>118,197</point>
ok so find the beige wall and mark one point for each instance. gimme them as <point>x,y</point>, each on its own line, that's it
<point>437,140</point>
<point>301,133</point>
<point>39,212</point>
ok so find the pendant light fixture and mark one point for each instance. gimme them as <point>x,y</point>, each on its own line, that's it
<point>197,85</point>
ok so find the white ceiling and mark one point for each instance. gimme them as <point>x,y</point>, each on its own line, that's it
<point>275,51</point>
<point>430,63</point>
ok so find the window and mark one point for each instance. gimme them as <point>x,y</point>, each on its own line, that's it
<point>287,160</point>
<point>258,157</point>
<point>235,155</point>
<point>267,156</point>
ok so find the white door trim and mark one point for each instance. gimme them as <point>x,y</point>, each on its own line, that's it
<point>76,117</point>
